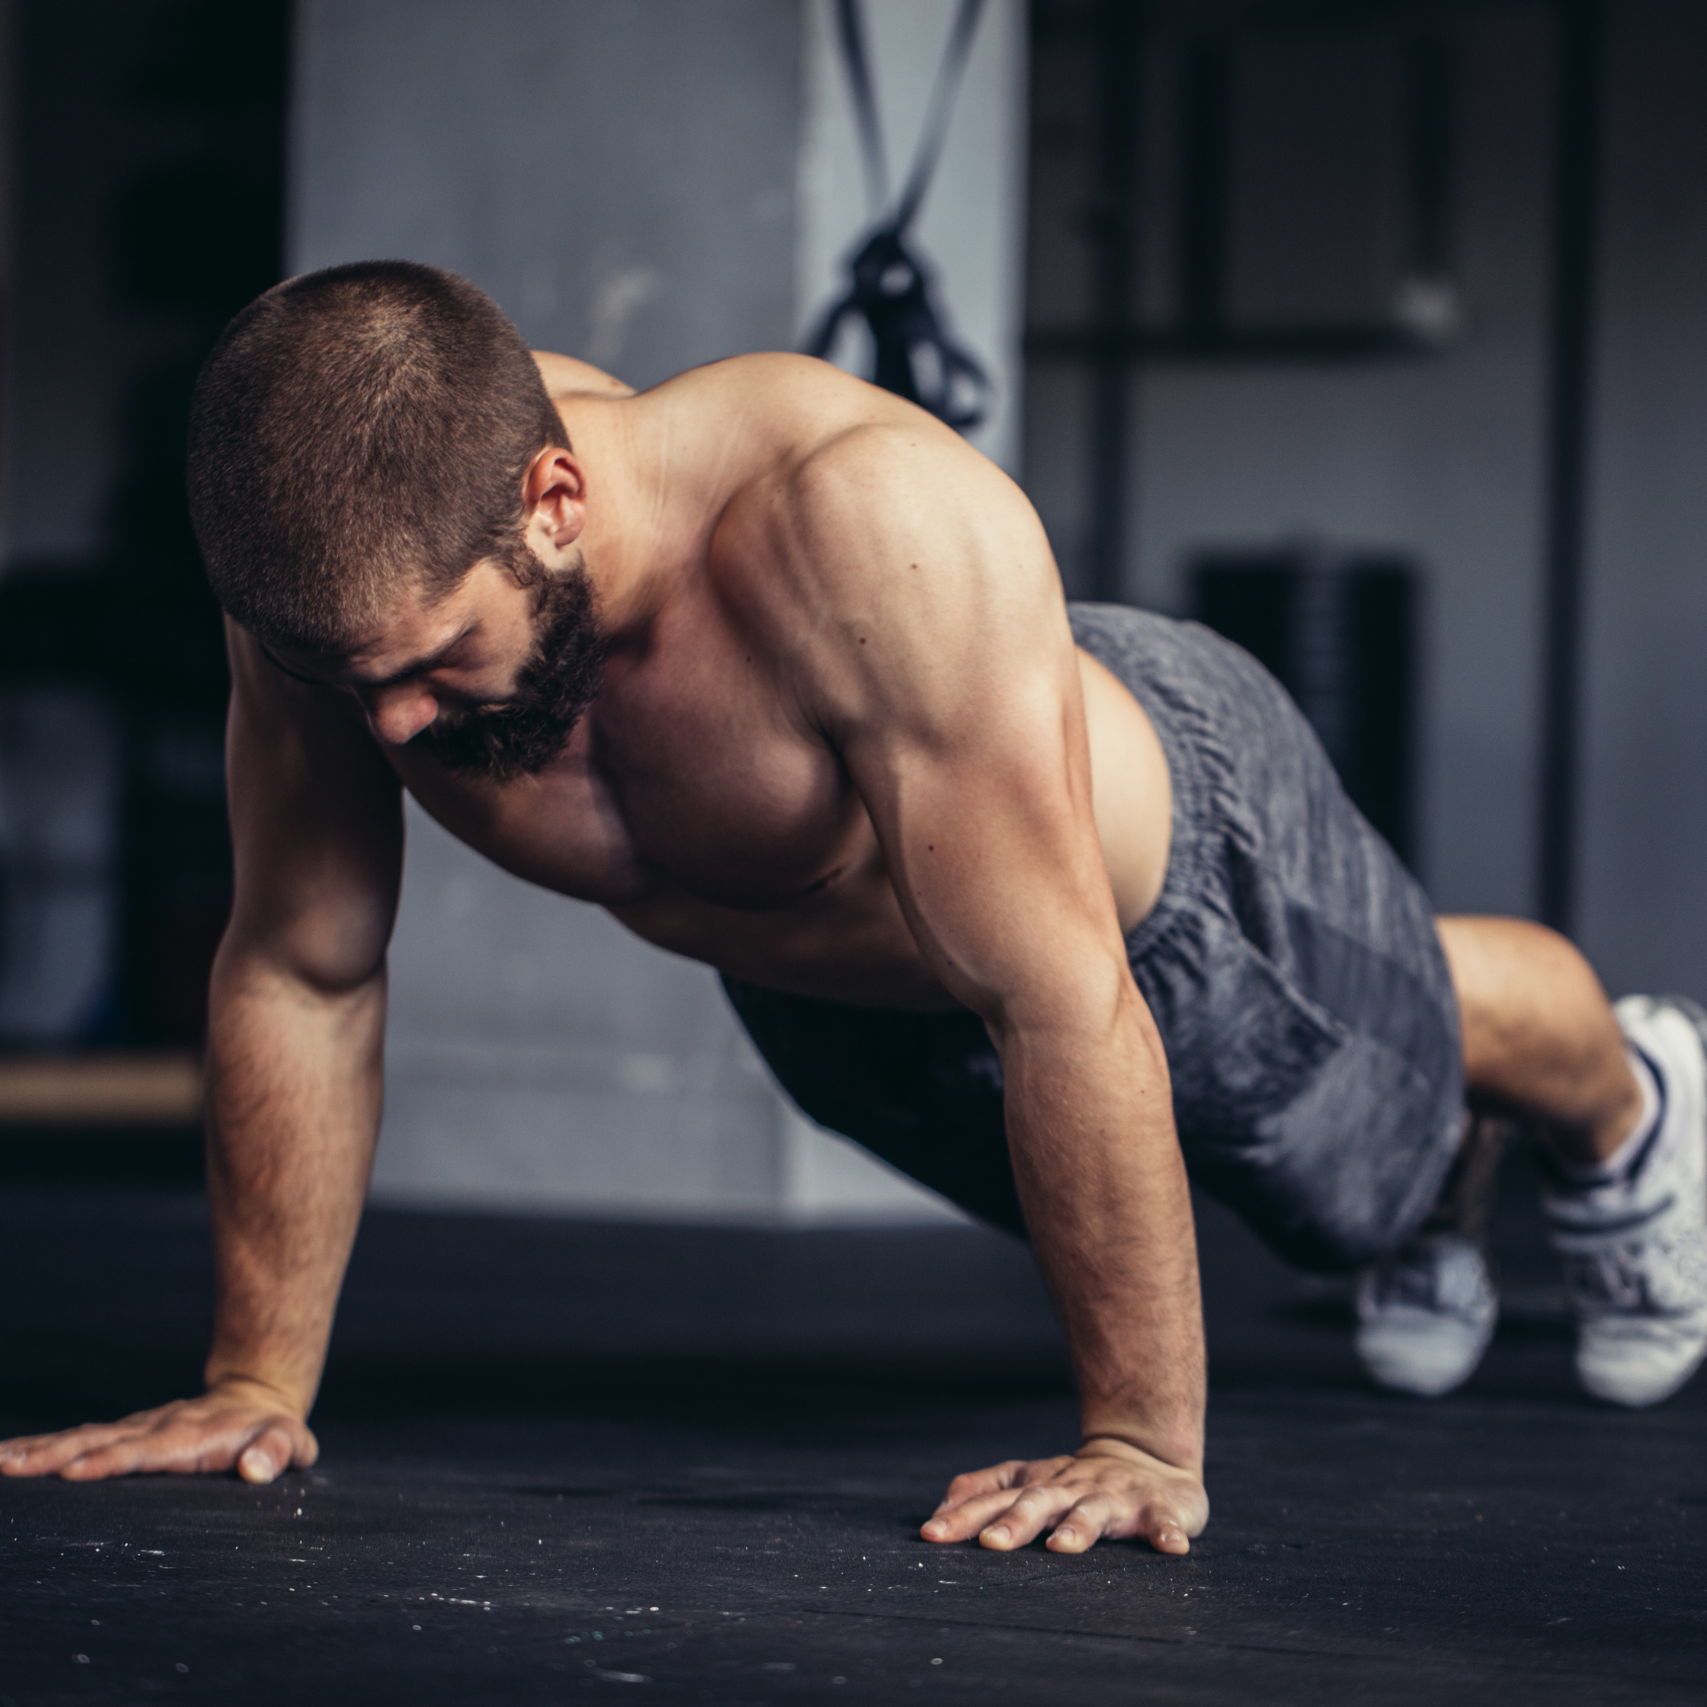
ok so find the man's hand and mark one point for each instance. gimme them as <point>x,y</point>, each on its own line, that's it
<point>1106,1491</point>
<point>237,1423</point>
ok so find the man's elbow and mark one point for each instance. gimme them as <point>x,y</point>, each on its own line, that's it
<point>316,962</point>
<point>1089,1001</point>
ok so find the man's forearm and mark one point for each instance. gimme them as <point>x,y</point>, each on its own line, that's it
<point>294,1091</point>
<point>1103,1185</point>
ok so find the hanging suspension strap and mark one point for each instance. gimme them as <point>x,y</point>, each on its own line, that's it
<point>891,289</point>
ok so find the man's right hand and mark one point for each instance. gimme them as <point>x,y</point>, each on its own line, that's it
<point>244,1425</point>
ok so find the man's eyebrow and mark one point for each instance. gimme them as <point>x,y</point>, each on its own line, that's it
<point>416,667</point>
<point>420,666</point>
<point>284,669</point>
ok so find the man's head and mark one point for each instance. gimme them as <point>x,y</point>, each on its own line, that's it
<point>361,439</point>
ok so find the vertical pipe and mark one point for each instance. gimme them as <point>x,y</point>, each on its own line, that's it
<point>1577,124</point>
<point>1205,162</point>
<point>1120,29</point>
<point>1429,79</point>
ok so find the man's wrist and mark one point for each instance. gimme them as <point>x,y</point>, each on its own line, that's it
<point>256,1390</point>
<point>1145,1448</point>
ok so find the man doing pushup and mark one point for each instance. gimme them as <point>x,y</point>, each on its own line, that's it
<point>1052,907</point>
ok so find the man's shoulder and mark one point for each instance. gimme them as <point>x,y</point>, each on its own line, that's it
<point>833,442</point>
<point>837,530</point>
<point>789,411</point>
<point>771,377</point>
<point>827,503</point>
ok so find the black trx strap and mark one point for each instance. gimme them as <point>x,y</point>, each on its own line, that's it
<point>916,358</point>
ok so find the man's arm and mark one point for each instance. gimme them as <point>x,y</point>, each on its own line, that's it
<point>942,667</point>
<point>295,1027</point>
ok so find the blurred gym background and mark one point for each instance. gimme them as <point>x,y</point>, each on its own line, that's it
<point>1375,334</point>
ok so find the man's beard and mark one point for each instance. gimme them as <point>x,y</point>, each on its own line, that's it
<point>560,679</point>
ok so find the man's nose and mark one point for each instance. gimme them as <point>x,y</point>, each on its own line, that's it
<point>399,714</point>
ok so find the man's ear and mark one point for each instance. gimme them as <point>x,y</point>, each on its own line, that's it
<point>554,496</point>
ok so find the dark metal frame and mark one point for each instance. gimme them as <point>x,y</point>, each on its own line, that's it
<point>1569,415</point>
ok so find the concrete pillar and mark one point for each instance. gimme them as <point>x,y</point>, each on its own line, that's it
<point>628,179</point>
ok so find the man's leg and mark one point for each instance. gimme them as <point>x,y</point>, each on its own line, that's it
<point>1618,1098</point>
<point>1540,1038</point>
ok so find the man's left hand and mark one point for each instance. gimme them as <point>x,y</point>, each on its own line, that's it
<point>1106,1491</point>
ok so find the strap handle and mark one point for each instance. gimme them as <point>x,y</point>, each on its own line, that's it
<point>858,69</point>
<point>948,75</point>
<point>856,64</point>
<point>915,357</point>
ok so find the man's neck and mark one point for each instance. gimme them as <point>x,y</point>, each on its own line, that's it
<point>630,542</point>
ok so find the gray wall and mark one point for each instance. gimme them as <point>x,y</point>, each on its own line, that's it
<point>627,178</point>
<point>617,173</point>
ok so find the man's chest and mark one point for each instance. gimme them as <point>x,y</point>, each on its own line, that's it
<point>695,776</point>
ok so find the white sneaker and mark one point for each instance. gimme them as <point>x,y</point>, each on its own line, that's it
<point>1635,1247</point>
<point>1426,1313</point>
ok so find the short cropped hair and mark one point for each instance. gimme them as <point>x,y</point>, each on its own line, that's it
<point>355,432</point>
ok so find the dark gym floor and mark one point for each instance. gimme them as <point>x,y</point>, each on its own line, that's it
<point>560,1460</point>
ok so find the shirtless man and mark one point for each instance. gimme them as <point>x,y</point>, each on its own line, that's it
<point>775,668</point>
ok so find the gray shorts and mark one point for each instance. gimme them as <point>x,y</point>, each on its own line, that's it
<point>1291,964</point>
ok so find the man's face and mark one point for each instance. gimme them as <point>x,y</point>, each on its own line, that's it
<point>522,734</point>
<point>491,680</point>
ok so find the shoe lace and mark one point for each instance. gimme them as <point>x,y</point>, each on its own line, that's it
<point>1661,1278</point>
<point>1616,1279</point>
